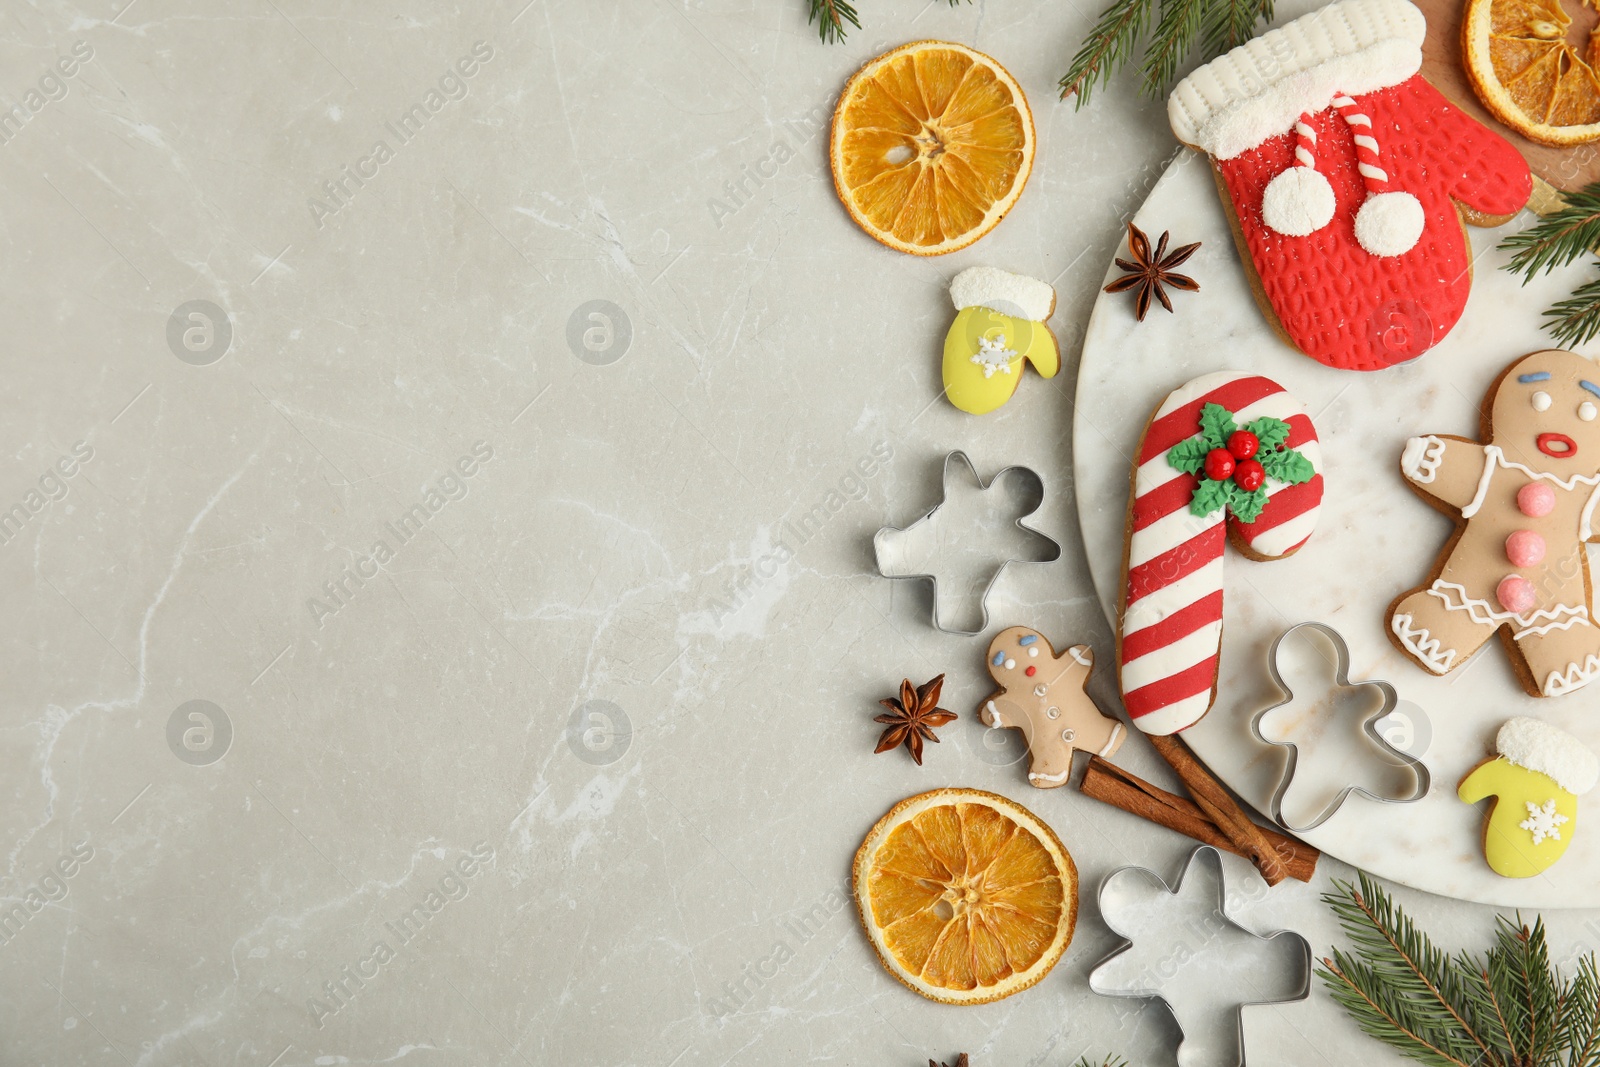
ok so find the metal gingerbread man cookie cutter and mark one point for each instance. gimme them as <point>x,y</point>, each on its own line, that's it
<point>883,540</point>
<point>1147,967</point>
<point>1369,726</point>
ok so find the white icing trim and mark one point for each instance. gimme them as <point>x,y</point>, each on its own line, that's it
<point>1538,746</point>
<point>1493,457</point>
<point>991,716</point>
<point>1053,779</point>
<point>1427,648</point>
<point>1576,677</point>
<point>1259,89</point>
<point>1082,654</point>
<point>1111,743</point>
<point>1455,598</point>
<point>999,290</point>
<point>1421,458</point>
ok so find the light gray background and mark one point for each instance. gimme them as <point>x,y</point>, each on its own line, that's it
<point>619,545</point>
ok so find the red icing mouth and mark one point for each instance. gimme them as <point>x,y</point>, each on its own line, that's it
<point>1558,445</point>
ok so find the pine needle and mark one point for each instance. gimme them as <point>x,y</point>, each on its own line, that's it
<point>1511,1008</point>
<point>831,15</point>
<point>1174,35</point>
<point>1559,238</point>
<point>1108,47</point>
<point>1577,318</point>
<point>1230,23</point>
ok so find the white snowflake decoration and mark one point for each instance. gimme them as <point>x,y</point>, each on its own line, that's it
<point>1543,822</point>
<point>994,356</point>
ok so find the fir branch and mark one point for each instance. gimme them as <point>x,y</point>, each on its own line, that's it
<point>1174,35</point>
<point>1109,1061</point>
<point>1230,23</point>
<point>1356,989</point>
<point>1580,1017</point>
<point>1559,238</point>
<point>1416,995</point>
<point>1107,48</point>
<point>1576,319</point>
<point>830,17</point>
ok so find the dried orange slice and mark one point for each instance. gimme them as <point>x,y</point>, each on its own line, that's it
<point>967,896</point>
<point>932,143</point>
<point>1527,73</point>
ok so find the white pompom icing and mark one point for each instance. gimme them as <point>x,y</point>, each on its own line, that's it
<point>1016,295</point>
<point>1538,746</point>
<point>1390,224</point>
<point>1297,203</point>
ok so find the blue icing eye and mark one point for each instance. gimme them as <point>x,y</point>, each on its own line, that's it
<point>1536,376</point>
<point>1026,641</point>
<point>999,658</point>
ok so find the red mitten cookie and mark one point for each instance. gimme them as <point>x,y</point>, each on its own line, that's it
<point>1348,178</point>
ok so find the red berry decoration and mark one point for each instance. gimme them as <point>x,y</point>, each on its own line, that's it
<point>1242,444</point>
<point>1249,475</point>
<point>1219,464</point>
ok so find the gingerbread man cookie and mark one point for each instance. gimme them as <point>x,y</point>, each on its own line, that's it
<point>1525,501</point>
<point>1042,694</point>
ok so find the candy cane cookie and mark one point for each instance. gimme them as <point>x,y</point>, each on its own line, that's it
<point>1228,453</point>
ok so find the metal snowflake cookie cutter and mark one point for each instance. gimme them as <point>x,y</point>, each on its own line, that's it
<point>1184,949</point>
<point>1369,726</point>
<point>890,540</point>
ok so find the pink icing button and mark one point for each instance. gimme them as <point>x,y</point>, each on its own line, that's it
<point>1515,593</point>
<point>1524,548</point>
<point>1536,499</point>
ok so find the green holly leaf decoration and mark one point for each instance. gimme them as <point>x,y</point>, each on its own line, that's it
<point>1188,456</point>
<point>1287,466</point>
<point>1272,433</point>
<point>1216,423</point>
<point>1208,497</point>
<point>1246,507</point>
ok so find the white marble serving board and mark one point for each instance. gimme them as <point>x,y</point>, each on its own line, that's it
<point>1375,540</point>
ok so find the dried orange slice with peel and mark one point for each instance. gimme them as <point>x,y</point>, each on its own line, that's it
<point>1527,73</point>
<point>932,143</point>
<point>967,896</point>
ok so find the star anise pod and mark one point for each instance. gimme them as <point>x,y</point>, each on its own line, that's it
<point>961,1061</point>
<point>1152,274</point>
<point>912,717</point>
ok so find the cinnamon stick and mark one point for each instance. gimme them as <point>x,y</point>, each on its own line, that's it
<point>1223,810</point>
<point>1110,784</point>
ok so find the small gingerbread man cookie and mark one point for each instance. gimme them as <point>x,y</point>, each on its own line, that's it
<point>1524,502</point>
<point>1042,694</point>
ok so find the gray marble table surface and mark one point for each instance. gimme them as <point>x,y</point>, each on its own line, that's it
<point>440,448</point>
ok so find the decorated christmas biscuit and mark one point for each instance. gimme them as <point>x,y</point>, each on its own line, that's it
<point>999,324</point>
<point>1524,501</point>
<point>1536,779</point>
<point>1348,177</point>
<point>1228,453</point>
<point>1042,694</point>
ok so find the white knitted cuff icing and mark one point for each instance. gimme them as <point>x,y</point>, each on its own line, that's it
<point>1256,91</point>
<point>1016,295</point>
<point>1538,746</point>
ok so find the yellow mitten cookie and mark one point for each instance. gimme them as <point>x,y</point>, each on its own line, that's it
<point>999,325</point>
<point>1536,780</point>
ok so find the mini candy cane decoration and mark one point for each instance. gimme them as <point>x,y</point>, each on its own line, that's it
<point>1387,223</point>
<point>1228,452</point>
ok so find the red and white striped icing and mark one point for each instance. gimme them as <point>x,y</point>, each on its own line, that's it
<point>1172,607</point>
